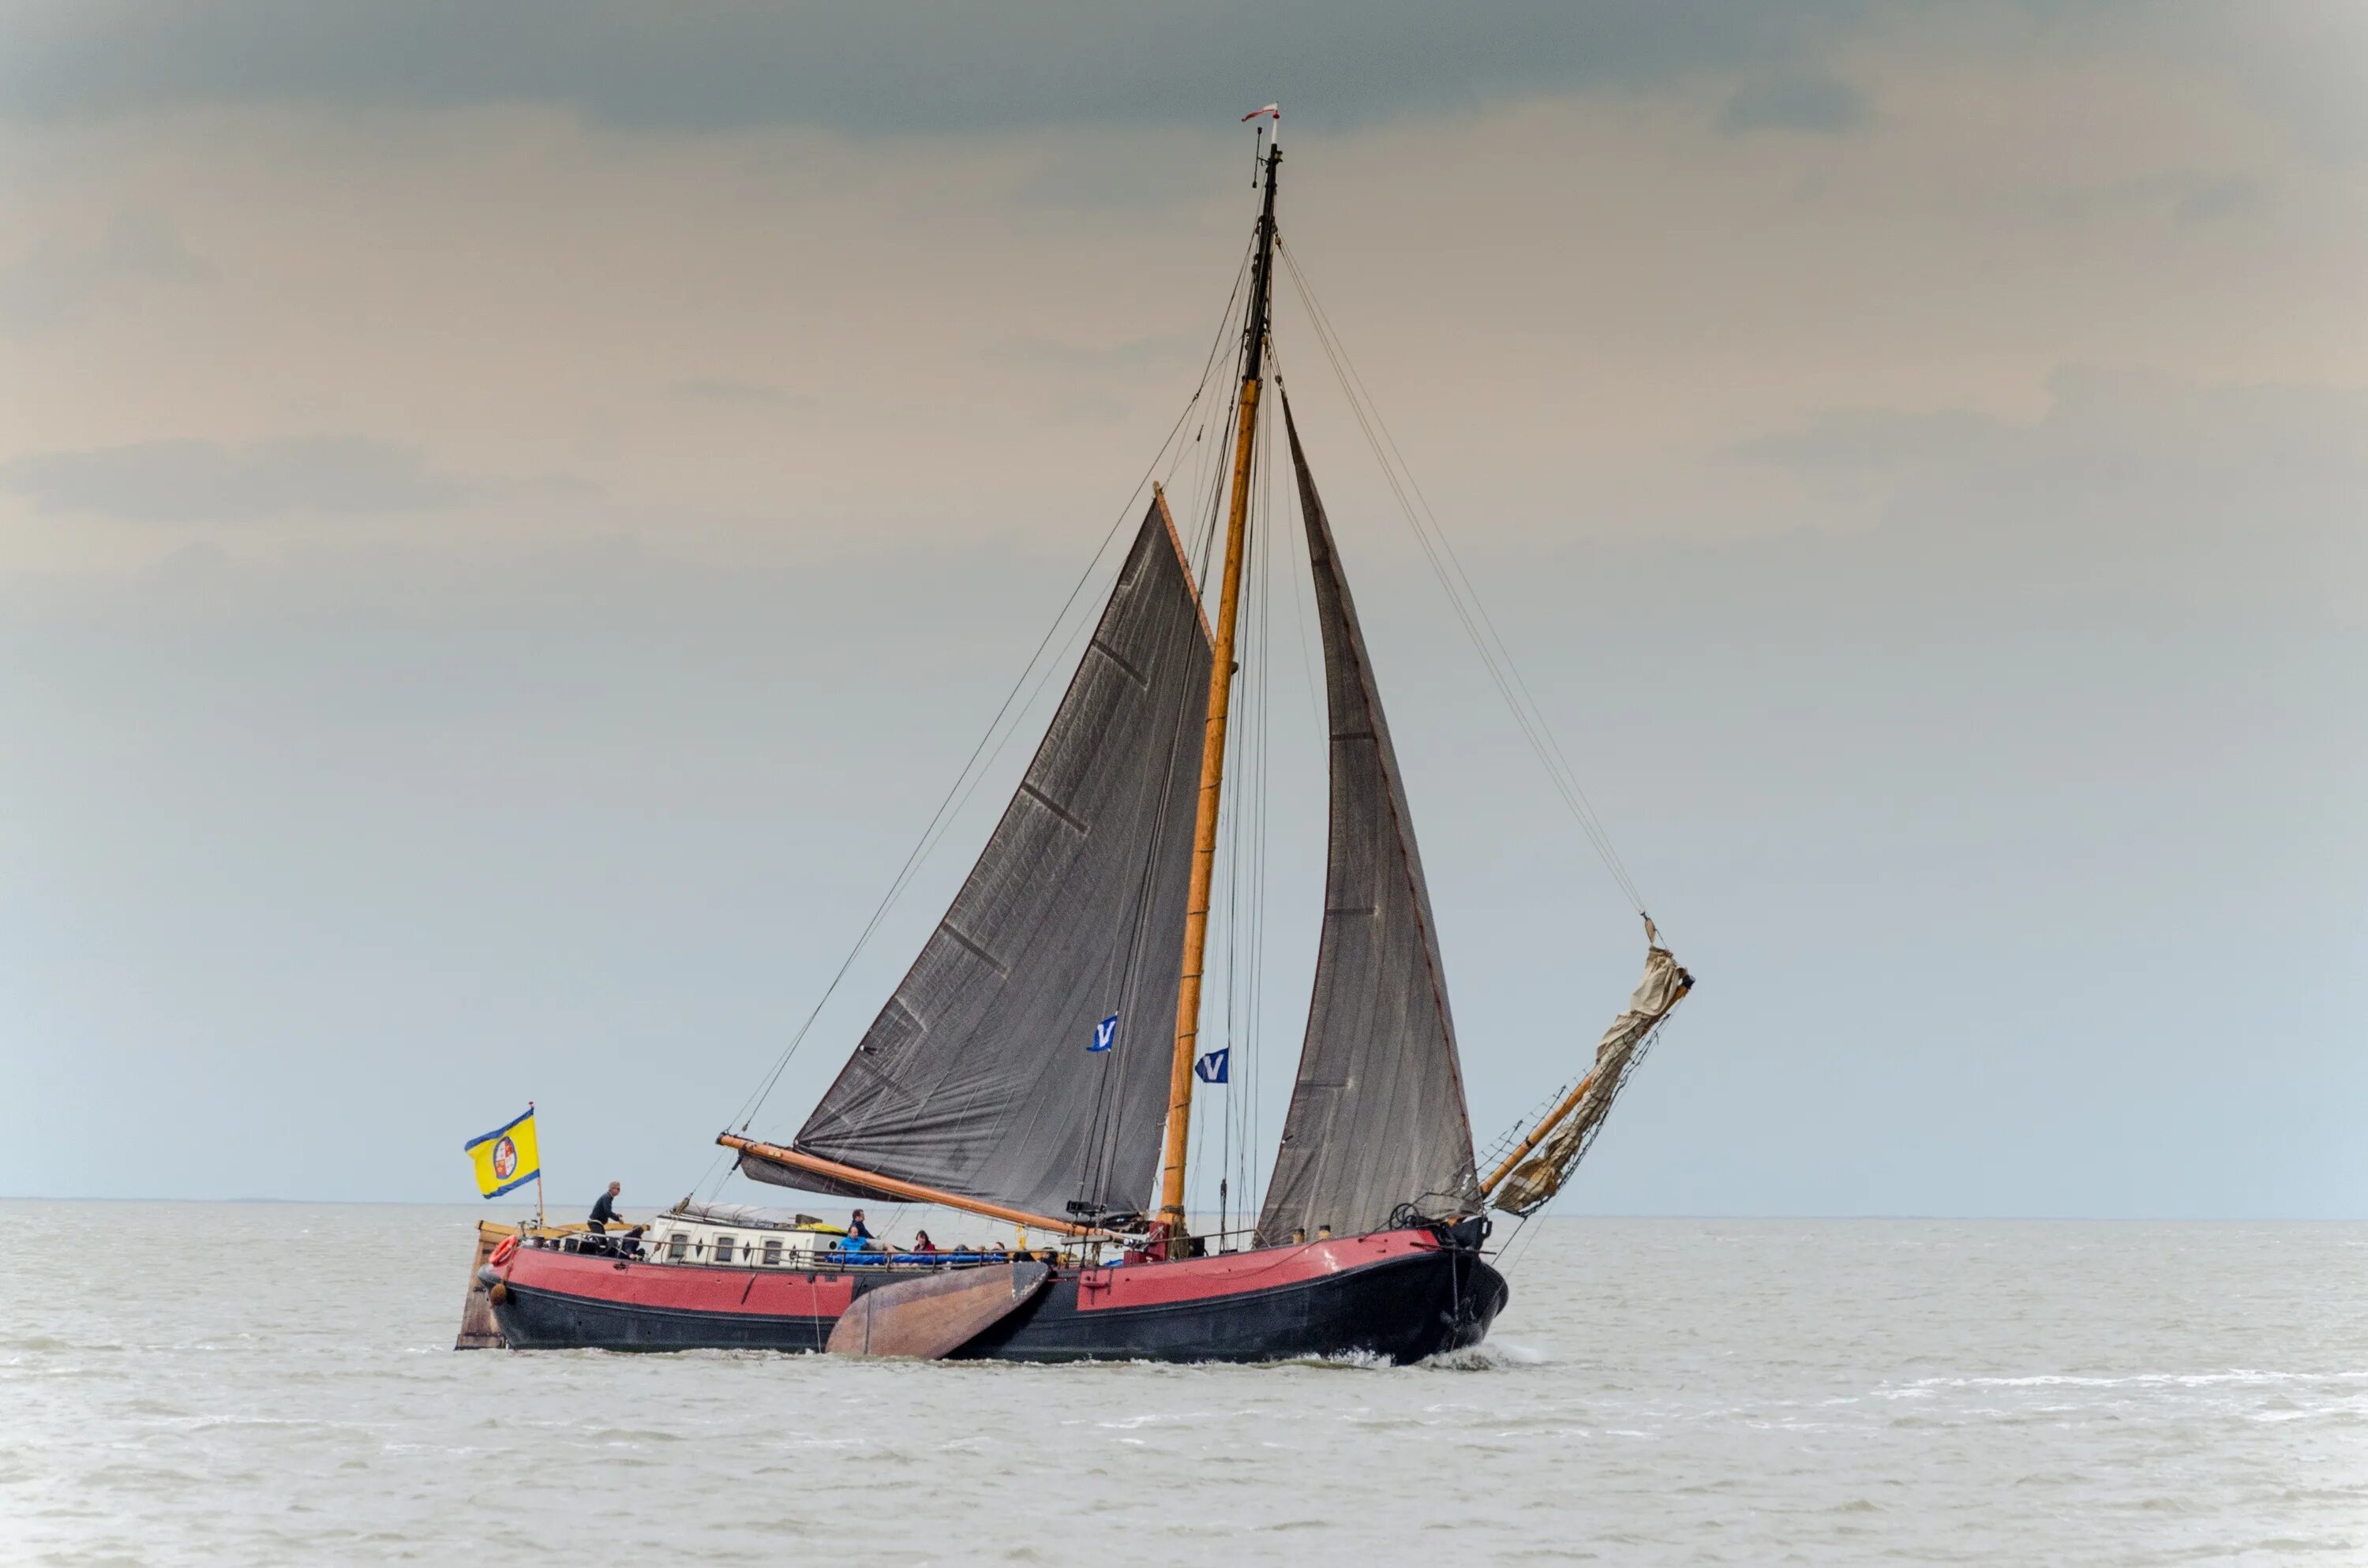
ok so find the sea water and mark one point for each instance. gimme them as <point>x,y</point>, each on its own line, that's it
<point>254,1385</point>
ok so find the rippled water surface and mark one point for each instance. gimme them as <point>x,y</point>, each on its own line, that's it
<point>267,1384</point>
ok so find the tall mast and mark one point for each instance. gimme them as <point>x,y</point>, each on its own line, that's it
<point>1213,744</point>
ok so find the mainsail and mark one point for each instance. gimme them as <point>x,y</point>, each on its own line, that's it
<point>978,1078</point>
<point>1377,1116</point>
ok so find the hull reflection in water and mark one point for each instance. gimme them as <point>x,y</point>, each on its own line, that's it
<point>1400,1295</point>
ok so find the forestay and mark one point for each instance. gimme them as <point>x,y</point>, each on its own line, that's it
<point>976,1078</point>
<point>1377,1116</point>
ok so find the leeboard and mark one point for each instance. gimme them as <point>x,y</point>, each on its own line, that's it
<point>933,1316</point>
<point>478,1330</point>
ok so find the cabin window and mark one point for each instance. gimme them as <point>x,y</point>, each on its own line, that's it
<point>678,1247</point>
<point>773,1251</point>
<point>723,1249</point>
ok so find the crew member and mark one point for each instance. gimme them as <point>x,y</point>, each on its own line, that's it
<point>855,1227</point>
<point>604,1209</point>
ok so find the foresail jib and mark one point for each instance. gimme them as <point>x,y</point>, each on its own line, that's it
<point>976,1079</point>
<point>1377,1118</point>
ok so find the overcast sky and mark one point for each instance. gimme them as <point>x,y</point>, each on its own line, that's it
<point>511,517</point>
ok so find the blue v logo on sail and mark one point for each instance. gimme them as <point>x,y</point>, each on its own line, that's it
<point>1210,1069</point>
<point>1105,1034</point>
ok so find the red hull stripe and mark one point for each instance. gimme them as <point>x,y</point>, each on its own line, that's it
<point>1240,1273</point>
<point>787,1292</point>
<point>684,1288</point>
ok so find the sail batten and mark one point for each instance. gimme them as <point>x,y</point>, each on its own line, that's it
<point>977,1077</point>
<point>1377,1116</point>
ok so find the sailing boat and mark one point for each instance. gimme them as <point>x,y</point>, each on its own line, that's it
<point>975,1086</point>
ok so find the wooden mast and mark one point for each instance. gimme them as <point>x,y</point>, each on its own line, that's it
<point>1212,744</point>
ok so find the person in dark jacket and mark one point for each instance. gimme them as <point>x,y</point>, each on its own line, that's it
<point>604,1209</point>
<point>858,1229</point>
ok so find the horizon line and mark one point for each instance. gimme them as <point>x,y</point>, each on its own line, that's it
<point>1968,1218</point>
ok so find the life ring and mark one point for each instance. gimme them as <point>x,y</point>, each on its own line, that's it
<point>501,1253</point>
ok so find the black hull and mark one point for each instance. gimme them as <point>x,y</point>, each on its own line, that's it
<point>1400,1309</point>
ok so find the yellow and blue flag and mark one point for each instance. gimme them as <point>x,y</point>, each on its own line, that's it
<point>507,1157</point>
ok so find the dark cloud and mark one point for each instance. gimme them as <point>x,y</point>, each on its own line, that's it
<point>205,481</point>
<point>1805,100</point>
<point>897,65</point>
<point>2296,61</point>
<point>907,66</point>
<point>1842,441</point>
<point>59,281</point>
<point>2130,484</point>
<point>2126,422</point>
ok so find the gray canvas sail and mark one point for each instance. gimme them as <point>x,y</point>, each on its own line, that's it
<point>977,1077</point>
<point>1377,1116</point>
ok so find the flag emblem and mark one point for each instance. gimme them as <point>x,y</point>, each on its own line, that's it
<point>507,1157</point>
<point>1105,1034</point>
<point>1210,1069</point>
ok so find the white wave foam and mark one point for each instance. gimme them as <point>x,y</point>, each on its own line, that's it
<point>1490,1356</point>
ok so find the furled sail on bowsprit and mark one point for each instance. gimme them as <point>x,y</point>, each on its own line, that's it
<point>1531,1184</point>
<point>979,1077</point>
<point>1377,1116</point>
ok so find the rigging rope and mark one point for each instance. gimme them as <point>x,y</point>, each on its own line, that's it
<point>1253,1042</point>
<point>1470,610</point>
<point>1247,747</point>
<point>972,771</point>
